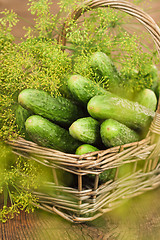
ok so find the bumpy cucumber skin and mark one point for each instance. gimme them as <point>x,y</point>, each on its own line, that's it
<point>151,71</point>
<point>155,80</point>
<point>48,134</point>
<point>123,110</point>
<point>21,115</point>
<point>107,175</point>
<point>85,148</point>
<point>101,63</point>
<point>147,98</point>
<point>84,89</point>
<point>114,133</point>
<point>85,130</point>
<point>58,109</point>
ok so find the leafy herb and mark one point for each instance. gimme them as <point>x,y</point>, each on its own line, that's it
<point>16,172</point>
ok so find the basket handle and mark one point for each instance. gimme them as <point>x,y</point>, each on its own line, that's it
<point>124,6</point>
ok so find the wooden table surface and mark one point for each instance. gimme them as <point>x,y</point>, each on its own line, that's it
<point>138,219</point>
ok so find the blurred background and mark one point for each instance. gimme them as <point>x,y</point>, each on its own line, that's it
<point>152,7</point>
<point>21,8</point>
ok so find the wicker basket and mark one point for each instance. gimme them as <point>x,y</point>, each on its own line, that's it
<point>86,202</point>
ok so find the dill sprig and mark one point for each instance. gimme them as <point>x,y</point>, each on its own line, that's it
<point>17,178</point>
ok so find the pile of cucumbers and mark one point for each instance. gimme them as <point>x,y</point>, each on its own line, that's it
<point>94,119</point>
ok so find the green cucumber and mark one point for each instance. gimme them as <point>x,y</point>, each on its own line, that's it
<point>84,89</point>
<point>123,110</point>
<point>105,175</point>
<point>103,65</point>
<point>150,72</point>
<point>58,109</point>
<point>114,133</point>
<point>85,148</point>
<point>48,134</point>
<point>21,115</point>
<point>155,80</point>
<point>85,130</point>
<point>147,98</point>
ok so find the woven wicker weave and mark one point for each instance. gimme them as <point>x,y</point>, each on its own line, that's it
<point>87,202</point>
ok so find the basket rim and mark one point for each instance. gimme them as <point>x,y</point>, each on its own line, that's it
<point>90,163</point>
<point>122,5</point>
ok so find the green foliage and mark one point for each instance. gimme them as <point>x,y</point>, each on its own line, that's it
<point>69,5</point>
<point>94,31</point>
<point>104,30</point>
<point>17,176</point>
<point>7,22</point>
<point>33,63</point>
<point>133,73</point>
<point>45,21</point>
